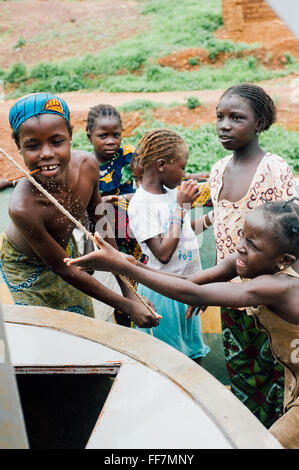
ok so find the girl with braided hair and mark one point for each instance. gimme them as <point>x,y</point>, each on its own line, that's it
<point>267,260</point>
<point>104,131</point>
<point>238,183</point>
<point>163,230</point>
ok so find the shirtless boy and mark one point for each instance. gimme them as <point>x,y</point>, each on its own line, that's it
<point>39,235</point>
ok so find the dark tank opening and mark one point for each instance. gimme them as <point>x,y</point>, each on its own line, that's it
<point>61,408</point>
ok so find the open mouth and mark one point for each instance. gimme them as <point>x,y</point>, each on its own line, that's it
<point>225,138</point>
<point>49,170</point>
<point>240,263</point>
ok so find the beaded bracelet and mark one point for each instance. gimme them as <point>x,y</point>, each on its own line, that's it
<point>204,222</point>
<point>181,208</point>
<point>211,217</point>
<point>174,222</point>
<point>177,220</point>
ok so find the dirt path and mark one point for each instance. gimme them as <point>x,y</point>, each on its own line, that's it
<point>284,92</point>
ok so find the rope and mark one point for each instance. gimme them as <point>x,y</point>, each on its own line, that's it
<point>75,221</point>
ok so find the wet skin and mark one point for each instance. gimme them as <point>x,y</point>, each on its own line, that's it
<point>45,144</point>
<point>38,228</point>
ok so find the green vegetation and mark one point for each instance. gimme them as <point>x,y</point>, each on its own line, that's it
<point>193,60</point>
<point>20,43</point>
<point>174,25</point>
<point>192,102</point>
<point>204,146</point>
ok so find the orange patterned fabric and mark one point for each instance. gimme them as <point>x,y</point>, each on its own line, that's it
<point>272,181</point>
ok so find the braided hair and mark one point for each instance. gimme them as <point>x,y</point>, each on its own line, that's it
<point>101,111</point>
<point>284,224</point>
<point>158,143</point>
<point>260,102</point>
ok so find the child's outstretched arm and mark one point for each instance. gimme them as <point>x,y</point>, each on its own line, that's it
<point>52,254</point>
<point>4,183</point>
<point>264,289</point>
<point>221,272</point>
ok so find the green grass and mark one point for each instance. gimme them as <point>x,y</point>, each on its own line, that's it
<point>174,25</point>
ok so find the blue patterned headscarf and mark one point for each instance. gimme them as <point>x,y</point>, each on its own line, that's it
<point>37,103</point>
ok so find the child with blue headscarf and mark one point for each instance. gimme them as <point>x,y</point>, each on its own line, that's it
<point>39,236</point>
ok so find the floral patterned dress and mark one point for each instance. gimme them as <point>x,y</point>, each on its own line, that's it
<point>256,378</point>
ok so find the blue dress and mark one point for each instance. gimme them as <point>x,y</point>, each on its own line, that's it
<point>115,175</point>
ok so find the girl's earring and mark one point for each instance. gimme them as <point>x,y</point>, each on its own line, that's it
<point>257,132</point>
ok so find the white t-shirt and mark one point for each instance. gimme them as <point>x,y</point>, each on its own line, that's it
<point>150,215</point>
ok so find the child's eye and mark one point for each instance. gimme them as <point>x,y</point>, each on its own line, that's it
<point>249,242</point>
<point>31,146</point>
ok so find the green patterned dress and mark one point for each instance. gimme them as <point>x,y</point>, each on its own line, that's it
<point>31,282</point>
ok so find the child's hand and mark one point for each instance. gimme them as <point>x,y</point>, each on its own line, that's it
<point>188,192</point>
<point>105,259</point>
<point>110,199</point>
<point>148,302</point>
<point>142,317</point>
<point>4,183</point>
<point>202,176</point>
<point>197,310</point>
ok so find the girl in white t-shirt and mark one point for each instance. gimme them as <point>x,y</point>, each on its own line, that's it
<point>163,229</point>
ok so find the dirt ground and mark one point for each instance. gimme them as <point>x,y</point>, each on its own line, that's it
<point>284,91</point>
<point>55,29</point>
<point>34,31</point>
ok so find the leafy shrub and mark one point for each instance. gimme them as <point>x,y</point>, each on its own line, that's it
<point>17,73</point>
<point>20,43</point>
<point>192,102</point>
<point>193,60</point>
<point>290,59</point>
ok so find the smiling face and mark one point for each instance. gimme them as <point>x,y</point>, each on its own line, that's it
<point>236,123</point>
<point>257,250</point>
<point>106,138</point>
<point>173,173</point>
<point>44,142</point>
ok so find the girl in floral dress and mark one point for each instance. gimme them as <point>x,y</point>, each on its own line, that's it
<point>238,183</point>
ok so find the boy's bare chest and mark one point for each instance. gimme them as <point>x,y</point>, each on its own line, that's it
<point>55,220</point>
